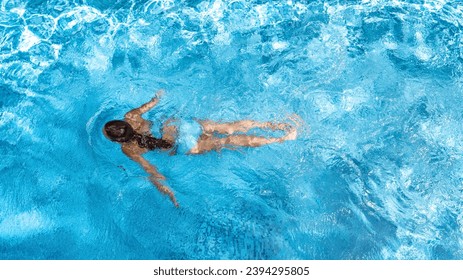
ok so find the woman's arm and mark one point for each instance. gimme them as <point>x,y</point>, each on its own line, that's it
<point>133,117</point>
<point>155,176</point>
<point>145,107</point>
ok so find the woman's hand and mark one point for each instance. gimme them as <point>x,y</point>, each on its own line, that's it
<point>159,94</point>
<point>165,190</point>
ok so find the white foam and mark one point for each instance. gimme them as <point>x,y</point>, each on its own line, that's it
<point>153,40</point>
<point>5,117</point>
<point>272,80</point>
<point>405,176</point>
<point>371,2</point>
<point>216,12</point>
<point>143,22</point>
<point>434,5</point>
<point>444,131</point>
<point>222,38</point>
<point>279,45</point>
<point>18,11</point>
<point>19,123</point>
<point>419,36</point>
<point>141,39</point>
<point>262,14</point>
<point>353,98</point>
<point>89,14</point>
<point>162,4</point>
<point>99,61</point>
<point>423,53</point>
<point>328,51</point>
<point>56,50</point>
<point>80,15</point>
<point>390,45</point>
<point>28,40</point>
<point>300,8</point>
<point>407,252</point>
<point>325,106</point>
<point>23,224</point>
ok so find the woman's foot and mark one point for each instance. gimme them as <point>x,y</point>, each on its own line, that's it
<point>291,135</point>
<point>291,130</point>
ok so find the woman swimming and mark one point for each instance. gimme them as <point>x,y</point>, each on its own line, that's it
<point>182,136</point>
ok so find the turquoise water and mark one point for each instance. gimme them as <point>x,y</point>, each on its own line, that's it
<point>377,176</point>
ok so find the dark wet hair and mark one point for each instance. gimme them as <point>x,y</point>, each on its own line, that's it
<point>118,131</point>
<point>121,131</point>
<point>151,143</point>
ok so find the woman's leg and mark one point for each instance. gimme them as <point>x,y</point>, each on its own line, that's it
<point>209,143</point>
<point>239,126</point>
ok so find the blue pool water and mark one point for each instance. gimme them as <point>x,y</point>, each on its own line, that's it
<point>377,173</point>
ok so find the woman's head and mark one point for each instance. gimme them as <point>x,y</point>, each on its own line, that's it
<point>118,131</point>
<point>121,131</point>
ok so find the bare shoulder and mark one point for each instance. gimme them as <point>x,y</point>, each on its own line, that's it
<point>134,119</point>
<point>138,123</point>
<point>132,150</point>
